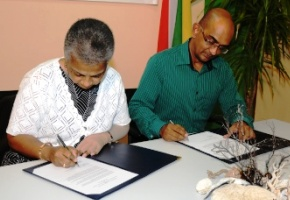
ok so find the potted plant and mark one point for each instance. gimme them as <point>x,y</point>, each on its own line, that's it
<point>262,39</point>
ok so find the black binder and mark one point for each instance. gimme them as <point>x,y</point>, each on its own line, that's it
<point>132,158</point>
<point>264,147</point>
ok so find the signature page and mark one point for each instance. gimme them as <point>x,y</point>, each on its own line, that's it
<point>90,177</point>
<point>218,146</point>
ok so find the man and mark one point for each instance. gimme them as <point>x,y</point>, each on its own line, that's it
<point>180,86</point>
<point>77,98</point>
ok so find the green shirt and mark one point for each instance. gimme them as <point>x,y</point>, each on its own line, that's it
<point>170,89</point>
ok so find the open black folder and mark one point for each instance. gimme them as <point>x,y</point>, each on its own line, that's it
<point>265,143</point>
<point>139,160</point>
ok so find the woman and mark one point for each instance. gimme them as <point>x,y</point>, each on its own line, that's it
<point>78,98</point>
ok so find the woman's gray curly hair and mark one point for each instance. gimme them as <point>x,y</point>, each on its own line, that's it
<point>89,40</point>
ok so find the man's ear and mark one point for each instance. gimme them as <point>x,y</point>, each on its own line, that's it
<point>195,29</point>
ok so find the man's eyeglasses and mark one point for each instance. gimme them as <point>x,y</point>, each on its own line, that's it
<point>213,43</point>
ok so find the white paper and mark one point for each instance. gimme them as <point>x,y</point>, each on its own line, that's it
<point>208,142</point>
<point>88,177</point>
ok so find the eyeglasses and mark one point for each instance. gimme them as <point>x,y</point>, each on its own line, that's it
<point>213,43</point>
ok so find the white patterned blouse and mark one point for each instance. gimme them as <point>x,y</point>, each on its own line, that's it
<point>44,108</point>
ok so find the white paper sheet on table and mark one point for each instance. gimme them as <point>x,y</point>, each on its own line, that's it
<point>90,177</point>
<point>208,141</point>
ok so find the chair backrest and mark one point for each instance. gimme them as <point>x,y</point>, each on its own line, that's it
<point>134,133</point>
<point>6,104</point>
<point>129,93</point>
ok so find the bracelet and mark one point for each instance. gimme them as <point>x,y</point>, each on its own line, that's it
<point>41,148</point>
<point>110,137</point>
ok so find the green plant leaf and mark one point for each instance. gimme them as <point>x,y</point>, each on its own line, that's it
<point>263,37</point>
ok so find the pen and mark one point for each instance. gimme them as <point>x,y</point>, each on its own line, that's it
<point>64,145</point>
<point>186,138</point>
<point>81,139</point>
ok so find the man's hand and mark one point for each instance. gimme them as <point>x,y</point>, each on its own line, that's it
<point>244,131</point>
<point>173,132</point>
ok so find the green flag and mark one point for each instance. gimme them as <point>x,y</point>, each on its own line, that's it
<point>183,24</point>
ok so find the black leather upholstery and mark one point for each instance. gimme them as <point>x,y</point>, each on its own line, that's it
<point>6,104</point>
<point>134,134</point>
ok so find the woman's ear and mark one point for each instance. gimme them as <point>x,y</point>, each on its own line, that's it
<point>62,63</point>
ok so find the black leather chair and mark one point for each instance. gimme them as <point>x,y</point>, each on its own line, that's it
<point>134,134</point>
<point>6,104</point>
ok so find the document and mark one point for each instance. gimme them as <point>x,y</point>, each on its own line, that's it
<point>218,146</point>
<point>90,177</point>
<point>114,167</point>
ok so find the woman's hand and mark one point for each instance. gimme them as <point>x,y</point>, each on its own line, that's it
<point>61,156</point>
<point>92,144</point>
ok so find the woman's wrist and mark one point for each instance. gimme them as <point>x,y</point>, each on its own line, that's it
<point>111,139</point>
<point>41,151</point>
